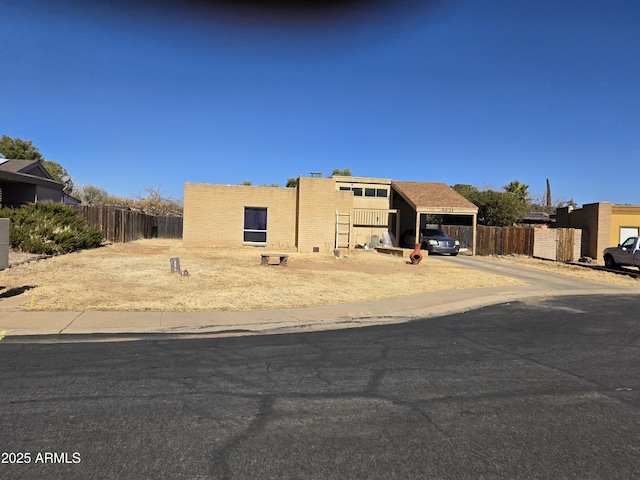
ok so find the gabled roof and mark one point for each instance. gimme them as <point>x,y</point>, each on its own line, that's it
<point>433,197</point>
<point>28,167</point>
<point>27,171</point>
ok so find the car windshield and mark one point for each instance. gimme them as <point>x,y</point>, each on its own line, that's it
<point>433,232</point>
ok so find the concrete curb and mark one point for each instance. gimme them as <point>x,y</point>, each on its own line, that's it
<point>14,322</point>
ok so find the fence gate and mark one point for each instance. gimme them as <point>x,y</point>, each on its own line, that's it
<point>564,245</point>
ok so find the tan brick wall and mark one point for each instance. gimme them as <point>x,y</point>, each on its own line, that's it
<point>596,218</point>
<point>214,214</point>
<point>545,243</point>
<point>318,201</point>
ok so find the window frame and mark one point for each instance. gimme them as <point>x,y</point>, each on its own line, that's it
<point>251,231</point>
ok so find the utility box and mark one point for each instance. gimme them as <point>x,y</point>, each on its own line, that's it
<point>175,264</point>
<point>4,243</point>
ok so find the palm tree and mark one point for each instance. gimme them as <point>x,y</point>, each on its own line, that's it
<point>518,188</point>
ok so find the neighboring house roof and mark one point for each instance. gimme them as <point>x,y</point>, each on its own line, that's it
<point>29,167</point>
<point>537,217</point>
<point>70,200</point>
<point>426,196</point>
<point>27,171</point>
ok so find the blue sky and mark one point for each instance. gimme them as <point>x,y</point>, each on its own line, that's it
<point>132,95</point>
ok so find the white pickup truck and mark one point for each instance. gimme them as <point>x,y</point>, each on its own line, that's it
<point>627,253</point>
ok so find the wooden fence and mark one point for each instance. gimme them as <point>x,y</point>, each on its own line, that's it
<point>505,240</point>
<point>494,240</point>
<point>121,225</point>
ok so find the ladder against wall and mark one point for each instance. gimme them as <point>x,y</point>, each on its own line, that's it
<point>343,230</point>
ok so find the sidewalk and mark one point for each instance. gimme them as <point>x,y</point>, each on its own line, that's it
<point>15,322</point>
<point>396,310</point>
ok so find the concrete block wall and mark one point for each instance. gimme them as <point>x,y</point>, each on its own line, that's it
<point>545,243</point>
<point>214,214</point>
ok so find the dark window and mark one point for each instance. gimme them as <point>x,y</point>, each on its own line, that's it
<point>382,192</point>
<point>255,224</point>
<point>369,192</point>
<point>357,192</point>
<point>345,188</point>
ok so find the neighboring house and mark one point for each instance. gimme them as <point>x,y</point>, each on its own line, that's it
<point>320,214</point>
<point>27,181</point>
<point>604,225</point>
<point>538,218</point>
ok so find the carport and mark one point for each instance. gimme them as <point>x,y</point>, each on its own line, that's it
<point>415,200</point>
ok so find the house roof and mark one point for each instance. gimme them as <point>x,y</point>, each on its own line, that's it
<point>433,197</point>
<point>26,171</point>
<point>30,167</point>
<point>537,217</point>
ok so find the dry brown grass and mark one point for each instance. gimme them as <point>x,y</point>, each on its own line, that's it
<point>136,277</point>
<point>575,271</point>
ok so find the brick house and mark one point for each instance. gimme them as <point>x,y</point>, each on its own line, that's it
<point>320,214</point>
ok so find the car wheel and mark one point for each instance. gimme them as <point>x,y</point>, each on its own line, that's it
<point>454,254</point>
<point>609,262</point>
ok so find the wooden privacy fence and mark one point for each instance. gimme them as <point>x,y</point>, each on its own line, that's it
<point>494,240</point>
<point>505,240</point>
<point>120,225</point>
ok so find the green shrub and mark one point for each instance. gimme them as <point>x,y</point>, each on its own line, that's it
<point>49,228</point>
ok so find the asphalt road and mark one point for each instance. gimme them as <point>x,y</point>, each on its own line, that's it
<point>542,389</point>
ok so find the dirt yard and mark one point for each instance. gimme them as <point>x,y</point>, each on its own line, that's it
<point>136,277</point>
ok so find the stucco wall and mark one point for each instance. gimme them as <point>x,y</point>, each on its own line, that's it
<point>623,216</point>
<point>214,214</point>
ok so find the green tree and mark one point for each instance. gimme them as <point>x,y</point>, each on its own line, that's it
<point>548,193</point>
<point>496,209</point>
<point>518,188</point>
<point>16,148</point>
<point>467,191</point>
<point>292,182</point>
<point>499,209</point>
<point>59,174</point>
<point>341,173</point>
